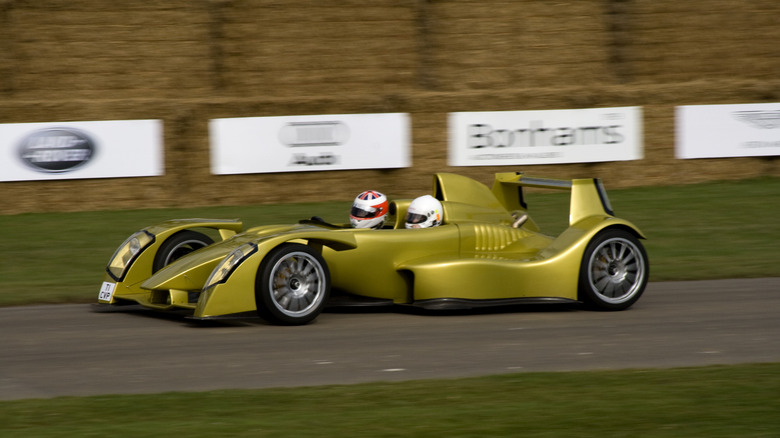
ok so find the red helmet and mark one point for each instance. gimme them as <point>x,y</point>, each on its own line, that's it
<point>369,210</point>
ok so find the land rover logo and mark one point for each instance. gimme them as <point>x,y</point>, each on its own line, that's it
<point>314,134</point>
<point>56,149</point>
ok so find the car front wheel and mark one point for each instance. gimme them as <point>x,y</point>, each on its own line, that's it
<point>292,286</point>
<point>178,246</point>
<point>614,270</point>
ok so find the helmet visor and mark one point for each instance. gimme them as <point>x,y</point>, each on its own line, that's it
<point>363,213</point>
<point>414,218</point>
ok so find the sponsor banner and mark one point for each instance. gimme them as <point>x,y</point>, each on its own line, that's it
<point>545,137</point>
<point>304,143</point>
<point>715,131</point>
<point>80,150</point>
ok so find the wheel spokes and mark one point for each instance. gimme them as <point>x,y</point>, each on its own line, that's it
<point>297,283</point>
<point>616,269</point>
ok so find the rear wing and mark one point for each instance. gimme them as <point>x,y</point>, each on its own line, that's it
<point>588,196</point>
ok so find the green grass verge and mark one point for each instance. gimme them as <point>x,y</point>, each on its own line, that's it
<point>738,401</point>
<point>703,231</point>
<point>715,230</point>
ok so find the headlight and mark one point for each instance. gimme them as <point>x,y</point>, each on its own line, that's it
<point>127,252</point>
<point>226,267</point>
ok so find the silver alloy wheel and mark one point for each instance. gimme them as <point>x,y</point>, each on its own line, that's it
<point>297,284</point>
<point>616,270</point>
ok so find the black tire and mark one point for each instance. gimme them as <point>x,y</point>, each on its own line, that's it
<point>292,286</point>
<point>614,270</point>
<point>178,246</point>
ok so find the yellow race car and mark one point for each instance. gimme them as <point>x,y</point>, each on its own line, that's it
<point>487,251</point>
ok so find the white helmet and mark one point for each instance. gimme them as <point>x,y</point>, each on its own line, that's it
<point>425,211</point>
<point>369,210</point>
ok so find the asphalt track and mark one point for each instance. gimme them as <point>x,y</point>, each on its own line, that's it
<point>69,350</point>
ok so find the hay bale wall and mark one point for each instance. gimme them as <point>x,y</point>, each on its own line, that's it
<point>186,62</point>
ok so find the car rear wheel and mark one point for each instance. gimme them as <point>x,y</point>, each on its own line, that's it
<point>293,283</point>
<point>614,270</point>
<point>178,246</point>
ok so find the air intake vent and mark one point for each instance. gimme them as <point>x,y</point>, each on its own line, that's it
<point>495,237</point>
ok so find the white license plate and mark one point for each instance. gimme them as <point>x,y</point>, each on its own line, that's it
<point>106,291</point>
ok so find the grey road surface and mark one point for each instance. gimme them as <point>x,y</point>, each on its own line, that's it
<point>69,350</point>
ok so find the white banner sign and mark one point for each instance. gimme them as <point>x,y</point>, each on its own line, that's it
<point>304,143</point>
<point>712,131</point>
<point>545,137</point>
<point>80,150</point>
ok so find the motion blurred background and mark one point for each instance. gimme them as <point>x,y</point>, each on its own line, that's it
<point>187,62</point>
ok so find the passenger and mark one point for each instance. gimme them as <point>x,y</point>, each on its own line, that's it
<point>424,212</point>
<point>369,210</point>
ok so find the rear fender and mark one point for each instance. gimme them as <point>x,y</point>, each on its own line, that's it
<point>551,272</point>
<point>575,239</point>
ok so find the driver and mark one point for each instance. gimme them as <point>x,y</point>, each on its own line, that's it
<point>369,210</point>
<point>424,212</point>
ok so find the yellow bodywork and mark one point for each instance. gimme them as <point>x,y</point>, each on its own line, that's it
<point>476,255</point>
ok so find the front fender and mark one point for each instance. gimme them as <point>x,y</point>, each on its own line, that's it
<point>226,227</point>
<point>237,294</point>
<point>141,268</point>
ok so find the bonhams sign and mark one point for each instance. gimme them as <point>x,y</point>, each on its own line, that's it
<point>545,137</point>
<point>306,143</point>
<point>80,150</point>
